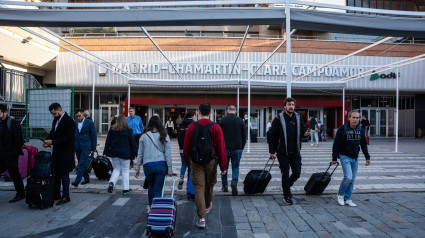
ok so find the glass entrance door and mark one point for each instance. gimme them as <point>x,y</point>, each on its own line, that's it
<point>381,121</point>
<point>107,111</point>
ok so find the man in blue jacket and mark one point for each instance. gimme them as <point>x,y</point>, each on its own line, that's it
<point>85,143</point>
<point>348,140</point>
<point>136,125</point>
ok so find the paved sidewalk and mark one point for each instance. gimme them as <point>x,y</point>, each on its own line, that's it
<point>400,214</point>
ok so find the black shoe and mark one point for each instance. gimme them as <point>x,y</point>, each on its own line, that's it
<point>63,201</point>
<point>234,187</point>
<point>85,182</point>
<point>111,187</point>
<point>225,189</point>
<point>16,199</point>
<point>288,200</point>
<point>126,191</point>
<point>75,184</point>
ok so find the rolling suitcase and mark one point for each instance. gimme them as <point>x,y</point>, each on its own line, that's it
<point>40,192</point>
<point>23,165</point>
<point>162,214</point>
<point>256,181</point>
<point>42,165</point>
<point>102,167</point>
<point>190,188</point>
<point>319,181</point>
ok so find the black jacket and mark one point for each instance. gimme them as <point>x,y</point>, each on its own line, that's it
<point>120,144</point>
<point>63,140</point>
<point>234,132</point>
<point>11,141</point>
<point>182,132</point>
<point>348,142</point>
<point>277,136</point>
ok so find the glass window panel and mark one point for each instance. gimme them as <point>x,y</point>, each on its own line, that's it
<point>369,101</point>
<point>355,103</point>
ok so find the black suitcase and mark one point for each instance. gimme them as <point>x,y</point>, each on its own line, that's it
<point>102,167</point>
<point>319,181</point>
<point>256,181</point>
<point>42,165</point>
<point>40,192</point>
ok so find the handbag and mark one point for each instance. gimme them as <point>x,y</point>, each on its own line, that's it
<point>316,129</point>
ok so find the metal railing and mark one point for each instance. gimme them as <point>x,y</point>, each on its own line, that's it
<point>200,34</point>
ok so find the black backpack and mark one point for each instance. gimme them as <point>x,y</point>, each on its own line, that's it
<point>202,151</point>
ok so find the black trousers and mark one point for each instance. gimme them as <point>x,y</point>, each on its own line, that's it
<point>11,164</point>
<point>293,161</point>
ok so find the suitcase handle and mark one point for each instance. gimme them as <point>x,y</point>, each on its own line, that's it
<point>264,170</point>
<point>174,183</point>
<point>330,164</point>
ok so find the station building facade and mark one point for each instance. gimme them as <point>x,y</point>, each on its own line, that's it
<point>204,66</point>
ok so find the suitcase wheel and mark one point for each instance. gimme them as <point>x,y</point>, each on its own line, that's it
<point>170,233</point>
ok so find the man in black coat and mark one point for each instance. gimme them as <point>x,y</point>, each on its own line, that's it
<point>234,132</point>
<point>11,141</point>
<point>62,137</point>
<point>285,141</point>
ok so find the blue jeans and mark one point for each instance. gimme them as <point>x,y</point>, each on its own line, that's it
<point>349,167</point>
<point>155,176</point>
<point>235,157</point>
<point>83,162</point>
<point>64,179</point>
<point>183,168</point>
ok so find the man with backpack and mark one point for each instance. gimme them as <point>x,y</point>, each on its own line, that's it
<point>11,142</point>
<point>204,146</point>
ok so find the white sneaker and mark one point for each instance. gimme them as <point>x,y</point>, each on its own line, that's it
<point>340,200</point>
<point>311,144</point>
<point>350,203</point>
<point>317,145</point>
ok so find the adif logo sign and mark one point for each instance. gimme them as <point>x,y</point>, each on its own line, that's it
<point>376,76</point>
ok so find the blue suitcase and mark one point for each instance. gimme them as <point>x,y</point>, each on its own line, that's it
<point>162,214</point>
<point>190,187</point>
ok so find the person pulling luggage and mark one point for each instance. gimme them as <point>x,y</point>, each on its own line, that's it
<point>155,155</point>
<point>11,141</point>
<point>85,143</point>
<point>285,141</point>
<point>349,137</point>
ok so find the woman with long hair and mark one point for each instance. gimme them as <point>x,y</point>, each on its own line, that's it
<point>155,156</point>
<point>121,147</point>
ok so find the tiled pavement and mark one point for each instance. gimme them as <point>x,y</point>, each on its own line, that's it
<point>399,212</point>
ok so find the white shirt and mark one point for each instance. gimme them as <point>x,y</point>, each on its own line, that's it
<point>269,125</point>
<point>80,125</point>
<point>57,123</point>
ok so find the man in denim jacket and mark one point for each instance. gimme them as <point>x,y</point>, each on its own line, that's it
<point>349,138</point>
